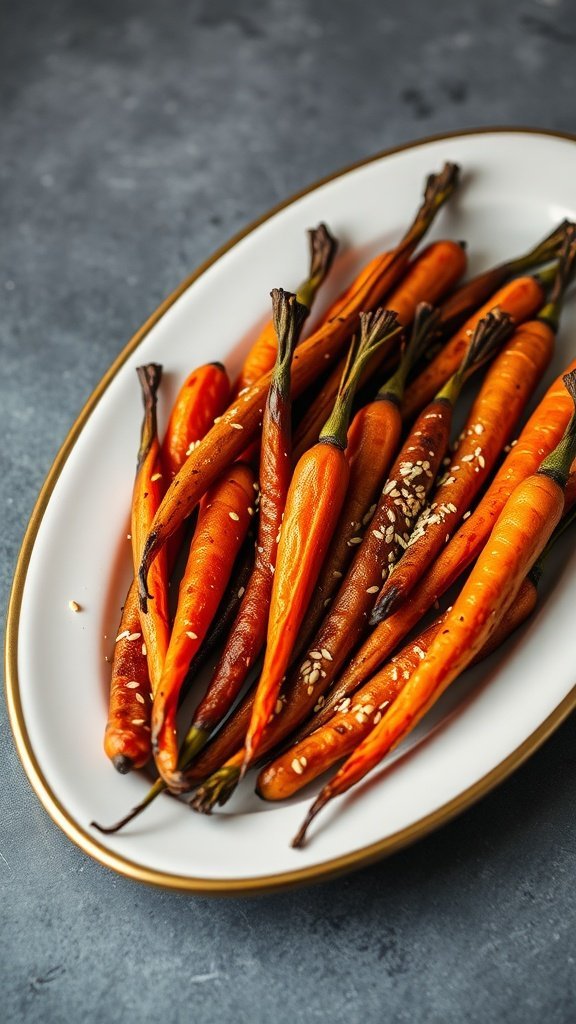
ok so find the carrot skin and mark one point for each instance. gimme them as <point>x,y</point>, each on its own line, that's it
<point>521,298</point>
<point>127,735</point>
<point>222,526</point>
<point>203,396</point>
<point>506,389</point>
<point>537,439</point>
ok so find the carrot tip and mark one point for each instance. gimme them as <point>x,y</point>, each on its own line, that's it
<point>216,790</point>
<point>385,606</point>
<point>299,839</point>
<point>122,763</point>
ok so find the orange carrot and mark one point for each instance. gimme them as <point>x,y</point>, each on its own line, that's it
<point>148,491</point>
<point>373,440</point>
<point>222,525</point>
<point>520,298</point>
<point>239,424</point>
<point>127,734</point>
<point>203,396</point>
<point>262,355</point>
<point>248,634</point>
<point>428,278</point>
<point>315,498</point>
<point>518,538</point>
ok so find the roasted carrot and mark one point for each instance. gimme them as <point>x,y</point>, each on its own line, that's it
<point>507,388</point>
<point>262,355</point>
<point>248,634</point>
<point>239,424</point>
<point>430,276</point>
<point>203,396</point>
<point>463,302</point>
<point>538,438</point>
<point>148,491</point>
<point>518,538</point>
<point>373,440</point>
<point>222,525</point>
<point>313,504</point>
<point>521,298</point>
<point>127,734</point>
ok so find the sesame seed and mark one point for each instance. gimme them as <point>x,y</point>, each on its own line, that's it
<point>303,761</point>
<point>234,516</point>
<point>316,655</point>
<point>138,721</point>
<point>296,766</point>
<point>314,677</point>
<point>337,575</point>
<point>140,698</point>
<point>355,540</point>
<point>478,429</point>
<point>217,419</point>
<point>241,591</point>
<point>372,590</point>
<point>326,654</point>
<point>310,691</point>
<point>74,606</point>
<point>467,514</point>
<point>134,636</point>
<point>237,426</point>
<point>156,476</point>
<point>122,636</point>
<point>132,685</point>
<point>377,717</point>
<point>191,635</point>
<point>144,650</point>
<point>378,534</point>
<point>278,707</point>
<point>250,510</point>
<point>481,461</point>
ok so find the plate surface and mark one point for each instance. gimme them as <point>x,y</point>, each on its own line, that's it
<point>517,185</point>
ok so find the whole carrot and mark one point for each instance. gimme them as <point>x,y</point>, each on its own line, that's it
<point>313,504</point>
<point>463,302</point>
<point>228,438</point>
<point>518,538</point>
<point>373,440</point>
<point>222,525</point>
<point>248,634</point>
<point>148,491</point>
<point>501,401</point>
<point>430,276</point>
<point>262,355</point>
<point>521,298</point>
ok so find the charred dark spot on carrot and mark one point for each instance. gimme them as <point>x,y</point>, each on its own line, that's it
<point>123,763</point>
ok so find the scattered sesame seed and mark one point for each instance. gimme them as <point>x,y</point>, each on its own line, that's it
<point>372,590</point>
<point>337,574</point>
<point>467,514</point>
<point>156,476</point>
<point>191,635</point>
<point>234,516</point>
<point>296,766</point>
<point>355,540</point>
<point>132,685</point>
<point>74,606</point>
<point>316,655</point>
<point>138,721</point>
<point>144,650</point>
<point>377,717</point>
<point>134,636</point>
<point>326,654</point>
<point>140,698</point>
<point>278,707</point>
<point>237,426</point>
<point>313,677</point>
<point>122,636</point>
<point>241,591</point>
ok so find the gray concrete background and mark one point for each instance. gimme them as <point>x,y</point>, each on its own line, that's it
<point>135,137</point>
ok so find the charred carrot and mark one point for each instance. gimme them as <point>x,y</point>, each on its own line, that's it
<point>239,424</point>
<point>314,501</point>
<point>373,441</point>
<point>463,302</point>
<point>428,278</point>
<point>538,438</point>
<point>148,491</point>
<point>203,396</point>
<point>222,525</point>
<point>518,538</point>
<point>521,298</point>
<point>248,634</point>
<point>501,401</point>
<point>262,355</point>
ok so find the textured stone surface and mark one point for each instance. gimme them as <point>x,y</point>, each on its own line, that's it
<point>136,137</point>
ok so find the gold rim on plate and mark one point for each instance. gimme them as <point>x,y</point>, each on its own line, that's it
<point>263,883</point>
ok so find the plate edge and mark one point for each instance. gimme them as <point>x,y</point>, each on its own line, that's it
<point>264,883</point>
